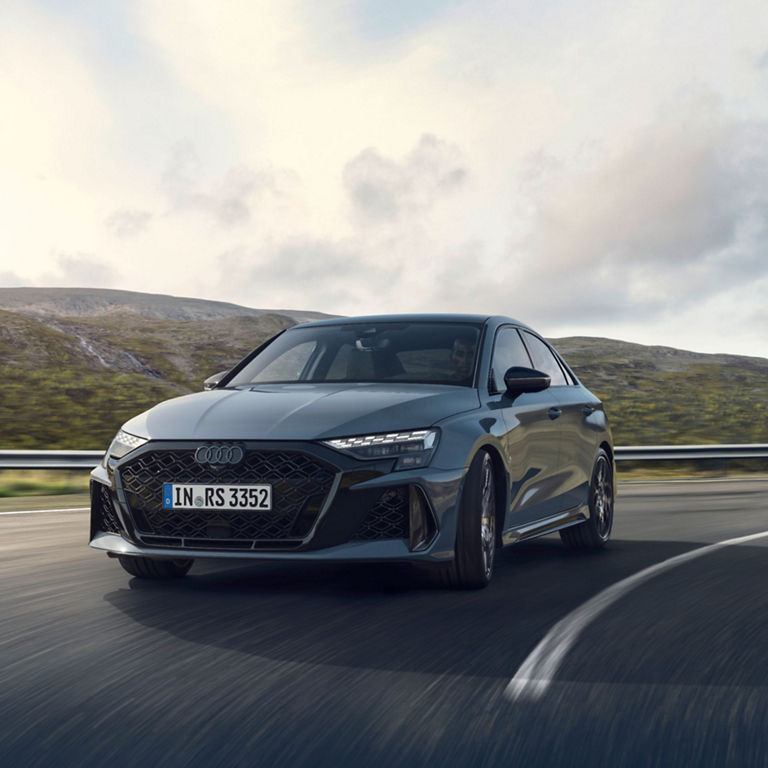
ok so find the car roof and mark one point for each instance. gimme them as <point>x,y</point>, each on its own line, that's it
<point>421,318</point>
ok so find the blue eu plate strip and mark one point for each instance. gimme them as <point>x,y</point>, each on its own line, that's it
<point>167,496</point>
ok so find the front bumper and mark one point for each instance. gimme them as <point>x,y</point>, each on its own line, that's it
<point>367,512</point>
<point>357,551</point>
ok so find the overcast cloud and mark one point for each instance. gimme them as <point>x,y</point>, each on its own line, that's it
<point>129,223</point>
<point>592,168</point>
<point>383,189</point>
<point>10,280</point>
<point>81,270</point>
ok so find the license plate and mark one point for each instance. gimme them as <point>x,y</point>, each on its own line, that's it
<point>177,496</point>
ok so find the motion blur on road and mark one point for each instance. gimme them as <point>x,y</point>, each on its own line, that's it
<point>259,664</point>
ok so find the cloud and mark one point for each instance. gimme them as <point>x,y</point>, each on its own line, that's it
<point>128,223</point>
<point>307,274</point>
<point>679,214</point>
<point>10,280</point>
<point>670,196</point>
<point>231,199</point>
<point>562,166</point>
<point>383,189</point>
<point>81,270</point>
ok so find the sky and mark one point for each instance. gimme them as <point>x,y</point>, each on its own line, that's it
<point>590,168</point>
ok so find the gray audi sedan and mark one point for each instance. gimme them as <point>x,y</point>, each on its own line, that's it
<point>431,439</point>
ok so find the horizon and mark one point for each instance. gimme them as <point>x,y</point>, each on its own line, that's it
<point>591,170</point>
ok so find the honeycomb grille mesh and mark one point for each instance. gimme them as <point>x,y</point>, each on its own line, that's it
<point>109,521</point>
<point>300,485</point>
<point>388,517</point>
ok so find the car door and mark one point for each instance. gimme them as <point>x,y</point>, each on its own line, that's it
<point>583,427</point>
<point>568,475</point>
<point>532,439</point>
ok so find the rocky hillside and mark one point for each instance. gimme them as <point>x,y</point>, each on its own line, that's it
<point>664,396</point>
<point>76,363</point>
<point>97,302</point>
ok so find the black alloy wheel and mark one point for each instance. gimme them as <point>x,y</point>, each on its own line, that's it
<point>596,531</point>
<point>150,568</point>
<point>472,567</point>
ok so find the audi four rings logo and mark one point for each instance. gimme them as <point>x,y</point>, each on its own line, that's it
<point>219,454</point>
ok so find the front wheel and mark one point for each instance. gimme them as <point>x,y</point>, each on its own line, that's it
<point>150,568</point>
<point>472,566</point>
<point>596,531</point>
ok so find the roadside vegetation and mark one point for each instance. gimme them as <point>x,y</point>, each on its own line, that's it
<point>666,396</point>
<point>41,483</point>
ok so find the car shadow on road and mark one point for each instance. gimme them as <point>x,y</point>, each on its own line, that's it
<point>385,617</point>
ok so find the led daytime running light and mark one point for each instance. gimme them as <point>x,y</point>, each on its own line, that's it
<point>364,441</point>
<point>122,445</point>
<point>128,440</point>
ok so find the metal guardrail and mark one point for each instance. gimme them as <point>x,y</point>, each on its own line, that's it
<point>50,459</point>
<point>690,452</point>
<point>74,460</point>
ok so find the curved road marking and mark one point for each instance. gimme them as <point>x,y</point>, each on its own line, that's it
<point>40,511</point>
<point>535,674</point>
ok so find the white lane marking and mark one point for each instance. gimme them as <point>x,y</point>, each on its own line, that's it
<point>535,674</point>
<point>40,511</point>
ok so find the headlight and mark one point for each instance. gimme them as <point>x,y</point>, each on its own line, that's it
<point>412,449</point>
<point>123,444</point>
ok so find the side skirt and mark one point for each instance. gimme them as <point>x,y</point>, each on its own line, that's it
<point>546,525</point>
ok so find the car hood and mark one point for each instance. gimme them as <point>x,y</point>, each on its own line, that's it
<point>301,411</point>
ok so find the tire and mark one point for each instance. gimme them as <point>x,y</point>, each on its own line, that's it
<point>595,532</point>
<point>472,566</point>
<point>149,568</point>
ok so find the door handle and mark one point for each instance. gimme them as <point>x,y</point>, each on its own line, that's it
<point>588,410</point>
<point>553,413</point>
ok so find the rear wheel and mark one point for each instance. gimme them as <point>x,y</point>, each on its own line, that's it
<point>472,567</point>
<point>149,568</point>
<point>596,531</point>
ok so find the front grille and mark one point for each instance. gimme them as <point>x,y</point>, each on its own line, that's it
<point>300,485</point>
<point>387,518</point>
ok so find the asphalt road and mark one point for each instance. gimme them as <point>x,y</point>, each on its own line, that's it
<point>255,665</point>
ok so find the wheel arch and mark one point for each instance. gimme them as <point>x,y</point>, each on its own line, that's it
<point>608,448</point>
<point>490,443</point>
<point>502,488</point>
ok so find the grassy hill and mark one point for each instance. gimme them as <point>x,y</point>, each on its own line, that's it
<point>77,363</point>
<point>663,396</point>
<point>70,383</point>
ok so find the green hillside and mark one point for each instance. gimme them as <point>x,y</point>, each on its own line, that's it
<point>71,376</point>
<point>665,396</point>
<point>72,383</point>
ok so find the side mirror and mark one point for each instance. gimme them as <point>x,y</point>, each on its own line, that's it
<point>519,380</point>
<point>213,381</point>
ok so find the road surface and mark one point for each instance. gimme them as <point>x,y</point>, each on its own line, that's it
<point>310,665</point>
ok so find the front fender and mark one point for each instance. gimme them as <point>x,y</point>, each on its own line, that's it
<point>462,436</point>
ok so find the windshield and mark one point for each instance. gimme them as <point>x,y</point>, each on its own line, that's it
<point>423,353</point>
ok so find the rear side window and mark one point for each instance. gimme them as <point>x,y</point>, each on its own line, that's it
<point>544,360</point>
<point>508,352</point>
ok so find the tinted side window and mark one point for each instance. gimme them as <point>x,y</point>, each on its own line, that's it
<point>544,360</point>
<point>568,375</point>
<point>508,351</point>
